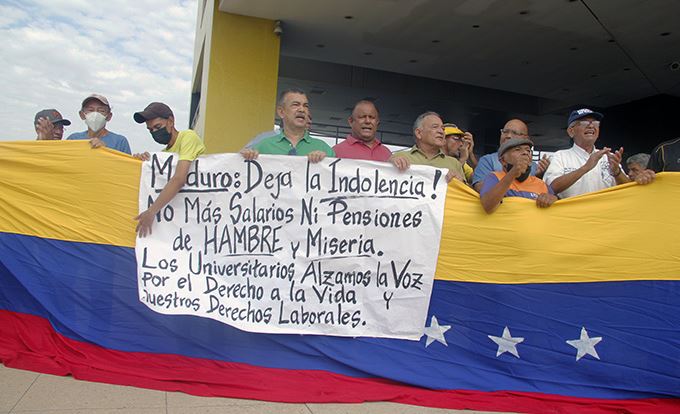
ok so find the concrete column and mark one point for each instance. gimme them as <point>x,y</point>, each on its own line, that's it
<point>236,71</point>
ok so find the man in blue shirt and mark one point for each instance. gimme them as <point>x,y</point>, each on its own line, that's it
<point>514,128</point>
<point>96,112</point>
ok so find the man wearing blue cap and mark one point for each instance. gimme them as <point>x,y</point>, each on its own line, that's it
<point>583,168</point>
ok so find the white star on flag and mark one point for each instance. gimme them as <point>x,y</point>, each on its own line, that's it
<point>585,345</point>
<point>435,332</point>
<point>506,343</point>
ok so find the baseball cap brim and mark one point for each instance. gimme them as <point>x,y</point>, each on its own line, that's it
<point>143,116</point>
<point>453,131</point>
<point>63,122</point>
<point>512,143</point>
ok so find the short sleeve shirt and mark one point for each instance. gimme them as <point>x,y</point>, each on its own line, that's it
<point>356,149</point>
<point>440,160</point>
<point>280,145</point>
<point>531,188</point>
<point>566,161</point>
<point>188,145</point>
<point>111,140</point>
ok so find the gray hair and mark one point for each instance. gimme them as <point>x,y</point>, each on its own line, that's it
<point>282,95</point>
<point>641,159</point>
<point>419,121</point>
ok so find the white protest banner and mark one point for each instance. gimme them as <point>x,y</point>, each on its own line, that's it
<point>279,245</point>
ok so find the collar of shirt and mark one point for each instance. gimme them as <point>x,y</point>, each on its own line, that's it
<point>352,140</point>
<point>305,137</point>
<point>415,149</point>
<point>581,152</point>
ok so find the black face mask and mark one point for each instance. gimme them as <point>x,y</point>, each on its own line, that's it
<point>522,177</point>
<point>162,136</point>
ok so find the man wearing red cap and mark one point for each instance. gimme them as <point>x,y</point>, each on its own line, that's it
<point>96,112</point>
<point>160,121</point>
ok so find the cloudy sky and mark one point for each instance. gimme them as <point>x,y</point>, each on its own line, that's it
<point>56,52</point>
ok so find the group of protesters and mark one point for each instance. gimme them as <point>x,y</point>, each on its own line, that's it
<point>96,111</point>
<point>509,172</point>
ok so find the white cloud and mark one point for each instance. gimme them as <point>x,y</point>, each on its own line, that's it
<point>56,52</point>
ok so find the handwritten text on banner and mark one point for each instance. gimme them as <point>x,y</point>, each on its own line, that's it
<point>279,245</point>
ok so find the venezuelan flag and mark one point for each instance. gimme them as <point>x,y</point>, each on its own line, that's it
<point>575,308</point>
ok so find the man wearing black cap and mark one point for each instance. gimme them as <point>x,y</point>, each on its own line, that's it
<point>583,168</point>
<point>49,125</point>
<point>95,111</point>
<point>515,180</point>
<point>160,122</point>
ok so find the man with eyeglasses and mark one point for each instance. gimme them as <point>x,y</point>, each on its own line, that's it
<point>96,112</point>
<point>583,168</point>
<point>294,138</point>
<point>514,128</point>
<point>460,145</point>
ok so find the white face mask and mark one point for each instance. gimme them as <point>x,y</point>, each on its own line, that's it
<point>95,121</point>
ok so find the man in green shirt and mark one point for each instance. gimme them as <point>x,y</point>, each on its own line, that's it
<point>428,130</point>
<point>294,139</point>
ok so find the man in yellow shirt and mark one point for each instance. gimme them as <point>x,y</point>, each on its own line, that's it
<point>160,122</point>
<point>459,145</point>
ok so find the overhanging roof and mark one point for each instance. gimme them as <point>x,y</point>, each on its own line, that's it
<point>595,51</point>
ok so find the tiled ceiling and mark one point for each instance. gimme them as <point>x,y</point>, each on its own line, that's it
<point>603,52</point>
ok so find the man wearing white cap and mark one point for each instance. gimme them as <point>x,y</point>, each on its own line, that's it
<point>96,112</point>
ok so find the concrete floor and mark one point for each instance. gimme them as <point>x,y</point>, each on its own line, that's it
<point>30,392</point>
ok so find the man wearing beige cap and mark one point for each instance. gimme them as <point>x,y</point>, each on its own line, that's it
<point>49,125</point>
<point>515,180</point>
<point>160,121</point>
<point>96,112</point>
